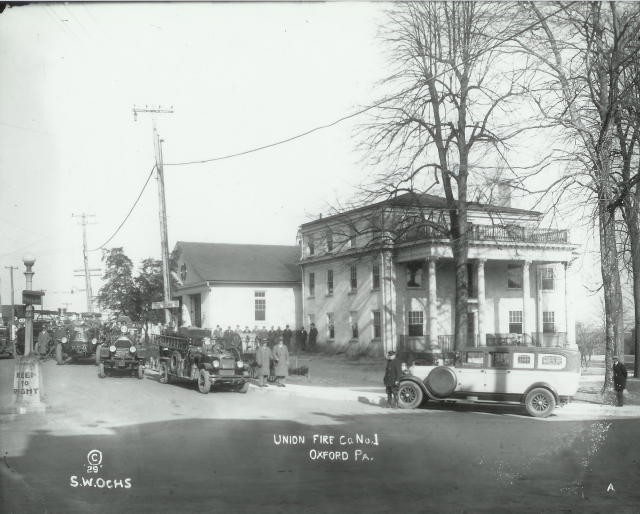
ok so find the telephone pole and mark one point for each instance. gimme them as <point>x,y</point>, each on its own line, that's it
<point>164,240</point>
<point>85,253</point>
<point>13,309</point>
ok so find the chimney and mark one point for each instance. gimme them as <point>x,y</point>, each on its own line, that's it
<point>502,194</point>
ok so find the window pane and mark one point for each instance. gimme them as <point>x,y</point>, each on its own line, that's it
<point>353,321</point>
<point>329,281</point>
<point>354,277</point>
<point>376,323</point>
<point>499,359</point>
<point>415,321</point>
<point>312,284</point>
<point>414,274</point>
<point>376,276</point>
<point>260,309</point>
<point>330,325</point>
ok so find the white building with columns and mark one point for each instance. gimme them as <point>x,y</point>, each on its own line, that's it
<point>382,276</point>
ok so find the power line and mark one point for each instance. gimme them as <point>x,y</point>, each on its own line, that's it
<point>331,124</point>
<point>128,214</point>
<point>377,104</point>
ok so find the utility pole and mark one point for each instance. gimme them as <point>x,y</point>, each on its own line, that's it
<point>13,309</point>
<point>85,253</point>
<point>164,240</point>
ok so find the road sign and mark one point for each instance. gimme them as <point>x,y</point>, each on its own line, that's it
<point>171,304</point>
<point>32,297</point>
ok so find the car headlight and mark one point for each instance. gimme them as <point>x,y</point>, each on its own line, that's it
<point>216,364</point>
<point>240,364</point>
<point>112,348</point>
<point>63,340</point>
<point>132,349</point>
<point>124,329</point>
<point>94,341</point>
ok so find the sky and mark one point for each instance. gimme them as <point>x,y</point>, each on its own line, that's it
<point>237,76</point>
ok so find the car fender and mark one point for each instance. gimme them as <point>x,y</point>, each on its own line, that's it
<point>544,385</point>
<point>416,380</point>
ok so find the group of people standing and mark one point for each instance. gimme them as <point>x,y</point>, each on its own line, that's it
<point>298,340</point>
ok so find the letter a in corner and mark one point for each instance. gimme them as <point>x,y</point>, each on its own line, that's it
<point>610,489</point>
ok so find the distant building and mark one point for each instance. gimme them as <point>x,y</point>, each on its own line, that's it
<point>382,276</point>
<point>239,284</point>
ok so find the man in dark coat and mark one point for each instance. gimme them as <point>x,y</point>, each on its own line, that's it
<point>301,339</point>
<point>286,335</point>
<point>619,379</point>
<point>313,337</point>
<point>392,374</point>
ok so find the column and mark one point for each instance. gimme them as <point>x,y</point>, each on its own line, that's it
<point>482,334</point>
<point>570,325</point>
<point>433,305</point>
<point>526,295</point>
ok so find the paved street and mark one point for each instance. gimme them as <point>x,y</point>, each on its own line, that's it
<point>167,448</point>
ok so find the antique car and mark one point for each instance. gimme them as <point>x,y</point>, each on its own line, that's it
<point>75,342</point>
<point>538,378</point>
<point>6,346</point>
<point>191,355</point>
<point>120,354</point>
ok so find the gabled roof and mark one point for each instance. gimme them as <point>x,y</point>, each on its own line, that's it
<point>426,201</point>
<point>239,262</point>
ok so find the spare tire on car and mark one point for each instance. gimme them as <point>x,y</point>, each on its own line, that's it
<point>441,381</point>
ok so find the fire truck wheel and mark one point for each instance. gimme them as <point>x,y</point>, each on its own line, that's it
<point>59,356</point>
<point>101,372</point>
<point>243,388</point>
<point>140,372</point>
<point>204,382</point>
<point>164,373</point>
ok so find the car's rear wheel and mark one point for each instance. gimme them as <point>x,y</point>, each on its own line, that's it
<point>59,355</point>
<point>140,372</point>
<point>410,395</point>
<point>243,388</point>
<point>101,372</point>
<point>204,382</point>
<point>164,373</point>
<point>540,402</point>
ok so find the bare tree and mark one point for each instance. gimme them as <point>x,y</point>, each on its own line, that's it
<point>585,48</point>
<point>452,104</point>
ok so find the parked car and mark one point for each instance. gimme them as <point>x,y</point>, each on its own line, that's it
<point>539,378</point>
<point>120,353</point>
<point>75,343</point>
<point>191,355</point>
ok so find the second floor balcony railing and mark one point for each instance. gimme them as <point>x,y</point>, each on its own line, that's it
<point>518,233</point>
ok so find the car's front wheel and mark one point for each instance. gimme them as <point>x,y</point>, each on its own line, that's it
<point>410,395</point>
<point>540,402</point>
<point>204,382</point>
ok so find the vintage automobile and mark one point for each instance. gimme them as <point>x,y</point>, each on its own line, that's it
<point>539,378</point>
<point>75,342</point>
<point>120,354</point>
<point>6,346</point>
<point>191,355</point>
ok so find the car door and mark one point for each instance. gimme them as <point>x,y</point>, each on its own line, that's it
<point>497,372</point>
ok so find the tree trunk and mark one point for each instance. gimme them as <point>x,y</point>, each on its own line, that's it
<point>612,291</point>
<point>633,228</point>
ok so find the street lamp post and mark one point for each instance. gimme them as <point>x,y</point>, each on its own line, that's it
<point>28,261</point>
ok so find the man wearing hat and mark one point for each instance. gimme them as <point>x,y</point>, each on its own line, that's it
<point>392,374</point>
<point>619,379</point>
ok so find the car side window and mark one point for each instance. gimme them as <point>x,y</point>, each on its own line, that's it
<point>499,360</point>
<point>472,359</point>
